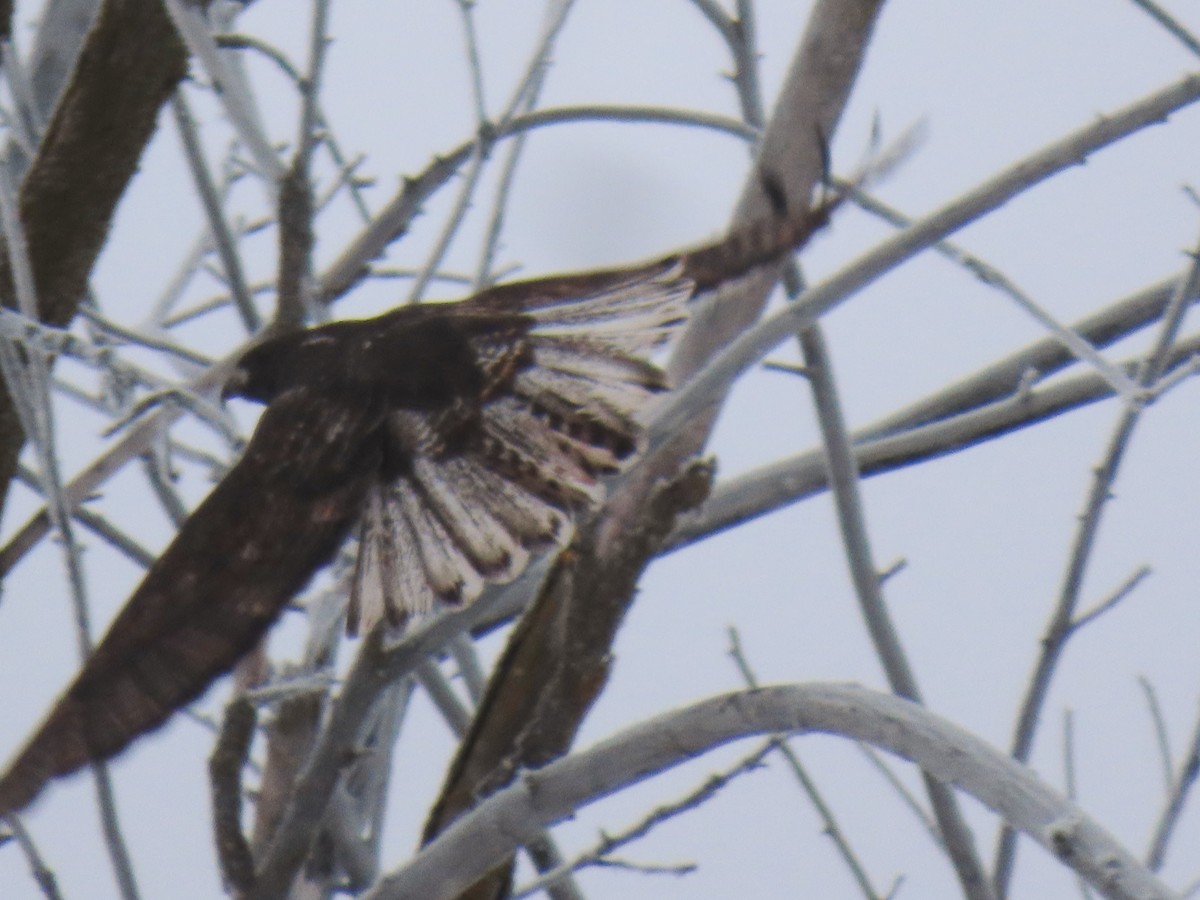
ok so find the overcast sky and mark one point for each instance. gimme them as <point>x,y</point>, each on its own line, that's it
<point>985,533</point>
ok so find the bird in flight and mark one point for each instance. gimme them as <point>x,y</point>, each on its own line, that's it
<point>460,438</point>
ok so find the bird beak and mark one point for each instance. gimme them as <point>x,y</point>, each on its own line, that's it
<point>235,384</point>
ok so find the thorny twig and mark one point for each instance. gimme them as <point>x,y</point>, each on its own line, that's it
<point>1061,624</point>
<point>829,822</point>
<point>601,852</point>
<point>27,379</point>
<point>42,874</point>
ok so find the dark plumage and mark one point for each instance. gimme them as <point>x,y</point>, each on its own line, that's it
<point>461,438</point>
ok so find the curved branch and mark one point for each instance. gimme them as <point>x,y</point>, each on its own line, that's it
<point>494,829</point>
<point>557,660</point>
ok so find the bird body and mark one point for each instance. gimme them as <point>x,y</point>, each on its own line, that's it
<point>461,438</point>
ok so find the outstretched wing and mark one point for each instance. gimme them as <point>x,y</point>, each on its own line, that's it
<point>544,435</point>
<point>274,519</point>
<point>464,437</point>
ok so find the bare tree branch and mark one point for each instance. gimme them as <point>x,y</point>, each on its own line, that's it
<point>1059,628</point>
<point>557,660</point>
<point>127,68</point>
<point>541,797</point>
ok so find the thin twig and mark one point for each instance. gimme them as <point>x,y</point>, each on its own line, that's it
<point>470,182</point>
<point>720,20</point>
<point>202,246</point>
<point>957,840</point>
<point>466,9</point>
<point>1069,777</point>
<point>1173,26</point>
<point>489,832</point>
<point>906,796</point>
<point>210,305</point>
<point>454,713</point>
<point>993,277</point>
<point>233,91</point>
<point>508,171</point>
<point>884,447</point>
<point>393,220</point>
<point>466,657</point>
<point>1177,795</point>
<point>829,823</point>
<point>1060,627</point>
<point>601,852</point>
<point>310,117</point>
<point>222,235</point>
<point>141,339</point>
<point>752,345</point>
<point>97,524</point>
<point>42,874</point>
<point>742,39</point>
<point>345,167</point>
<point>1161,736</point>
<point>158,476</point>
<point>1110,602</point>
<point>365,789</point>
<point>139,439</point>
<point>485,138</point>
<point>280,689</point>
<point>215,417</point>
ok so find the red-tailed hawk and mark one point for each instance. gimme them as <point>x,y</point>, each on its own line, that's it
<point>461,437</point>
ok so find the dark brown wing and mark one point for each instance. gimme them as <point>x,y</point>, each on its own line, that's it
<point>276,518</point>
<point>563,392</point>
<point>752,245</point>
<point>470,433</point>
<point>564,375</point>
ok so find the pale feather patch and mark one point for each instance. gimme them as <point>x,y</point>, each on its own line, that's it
<point>499,357</point>
<point>534,522</point>
<point>464,515</point>
<point>415,433</point>
<point>538,458</point>
<point>598,362</point>
<point>416,592</point>
<point>489,546</point>
<point>449,573</point>
<point>379,590</point>
<point>586,404</point>
<point>623,384</point>
<point>635,315</point>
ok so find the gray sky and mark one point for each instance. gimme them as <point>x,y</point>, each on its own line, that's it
<point>985,533</point>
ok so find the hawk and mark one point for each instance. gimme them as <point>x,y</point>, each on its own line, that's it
<point>460,437</point>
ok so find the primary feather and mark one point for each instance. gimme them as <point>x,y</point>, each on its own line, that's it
<point>554,419</point>
<point>461,437</point>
